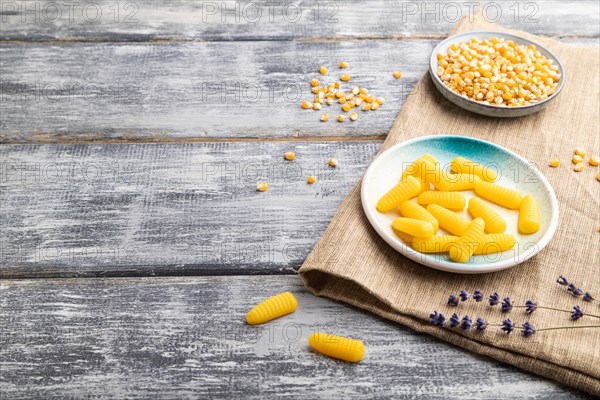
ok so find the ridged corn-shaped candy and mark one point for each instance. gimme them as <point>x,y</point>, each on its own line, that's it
<point>464,248</point>
<point>435,244</point>
<point>495,243</point>
<point>414,227</point>
<point>339,347</point>
<point>442,180</point>
<point>461,165</point>
<point>271,308</point>
<point>410,209</point>
<point>463,182</point>
<point>500,195</point>
<point>451,200</point>
<point>399,194</point>
<point>418,167</point>
<point>529,215</point>
<point>494,223</point>
<point>449,220</point>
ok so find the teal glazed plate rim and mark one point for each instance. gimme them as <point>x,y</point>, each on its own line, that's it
<point>513,171</point>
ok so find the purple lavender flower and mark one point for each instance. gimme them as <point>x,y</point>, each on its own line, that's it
<point>466,323</point>
<point>478,296</point>
<point>494,299</point>
<point>507,326</point>
<point>530,306</point>
<point>464,295</point>
<point>528,329</point>
<point>562,281</point>
<point>452,300</point>
<point>480,324</point>
<point>454,320</point>
<point>588,297</point>
<point>574,290</point>
<point>577,313</point>
<point>507,304</point>
<point>437,318</point>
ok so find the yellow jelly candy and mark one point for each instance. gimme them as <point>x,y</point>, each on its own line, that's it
<point>494,223</point>
<point>399,194</point>
<point>435,244</point>
<point>449,220</point>
<point>339,347</point>
<point>418,166</point>
<point>529,215</point>
<point>495,243</point>
<point>411,209</point>
<point>461,165</point>
<point>451,200</point>
<point>414,227</point>
<point>500,195</point>
<point>463,182</point>
<point>464,248</point>
<point>442,180</point>
<point>271,308</point>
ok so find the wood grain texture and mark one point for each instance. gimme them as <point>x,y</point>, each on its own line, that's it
<point>143,20</point>
<point>145,209</point>
<point>186,338</point>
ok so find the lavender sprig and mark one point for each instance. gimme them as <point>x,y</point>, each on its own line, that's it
<point>577,313</point>
<point>507,326</point>
<point>507,305</point>
<point>478,296</point>
<point>574,290</point>
<point>494,299</point>
<point>528,329</point>
<point>454,320</point>
<point>437,318</point>
<point>530,306</point>
<point>464,295</point>
<point>452,300</point>
<point>480,324</point>
<point>466,323</point>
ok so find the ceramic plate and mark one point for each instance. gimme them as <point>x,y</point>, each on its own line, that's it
<point>513,171</point>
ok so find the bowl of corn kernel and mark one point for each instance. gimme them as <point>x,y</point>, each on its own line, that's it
<point>496,74</point>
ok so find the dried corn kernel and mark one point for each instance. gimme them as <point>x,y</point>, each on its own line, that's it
<point>374,106</point>
<point>340,94</point>
<point>346,107</point>
<point>494,223</point>
<point>414,227</point>
<point>355,90</point>
<point>451,200</point>
<point>594,161</point>
<point>529,215</point>
<point>333,162</point>
<point>325,117</point>
<point>352,104</point>
<point>495,243</point>
<point>345,77</point>
<point>343,64</point>
<point>364,91</point>
<point>306,105</point>
<point>366,107</point>
<point>369,99</point>
<point>271,308</point>
<point>580,152</point>
<point>435,244</point>
<point>380,100</point>
<point>465,246</point>
<point>578,167</point>
<point>323,70</point>
<point>554,162</point>
<point>314,83</point>
<point>341,118</point>
<point>576,159</point>
<point>337,85</point>
<point>500,195</point>
<point>290,155</point>
<point>461,165</point>
<point>358,101</point>
<point>329,102</point>
<point>448,220</point>
<point>316,106</point>
<point>399,194</point>
<point>353,116</point>
<point>311,179</point>
<point>412,210</point>
<point>397,74</point>
<point>349,96</point>
<point>342,100</point>
<point>262,186</point>
<point>342,348</point>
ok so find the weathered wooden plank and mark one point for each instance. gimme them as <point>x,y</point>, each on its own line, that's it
<point>106,20</point>
<point>178,208</point>
<point>186,338</point>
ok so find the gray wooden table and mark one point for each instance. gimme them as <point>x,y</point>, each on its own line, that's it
<point>132,238</point>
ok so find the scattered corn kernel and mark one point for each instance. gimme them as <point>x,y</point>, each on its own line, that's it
<point>262,186</point>
<point>399,194</point>
<point>340,94</point>
<point>329,102</point>
<point>317,106</point>
<point>451,200</point>
<point>306,105</point>
<point>325,117</point>
<point>323,70</point>
<point>374,106</point>
<point>397,74</point>
<point>341,118</point>
<point>465,246</point>
<point>271,308</point>
<point>500,195</point>
<point>410,209</point>
<point>314,83</point>
<point>435,244</point>
<point>355,90</point>
<point>353,116</point>
<point>529,215</point>
<point>346,107</point>
<point>494,223</point>
<point>358,101</point>
<point>352,104</point>
<point>594,161</point>
<point>342,348</point>
<point>311,179</point>
<point>461,165</point>
<point>333,162</point>
<point>366,107</point>
<point>576,159</point>
<point>554,162</point>
<point>414,227</point>
<point>337,85</point>
<point>578,167</point>
<point>342,100</point>
<point>495,243</point>
<point>345,77</point>
<point>380,100</point>
<point>448,220</point>
<point>580,152</point>
<point>369,99</point>
<point>364,91</point>
<point>343,64</point>
<point>290,155</point>
<point>315,90</point>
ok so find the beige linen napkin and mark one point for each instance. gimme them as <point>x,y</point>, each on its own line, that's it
<point>352,264</point>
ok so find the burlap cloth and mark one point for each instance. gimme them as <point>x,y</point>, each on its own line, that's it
<point>352,264</point>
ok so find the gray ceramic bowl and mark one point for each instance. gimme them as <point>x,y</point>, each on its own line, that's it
<point>487,109</point>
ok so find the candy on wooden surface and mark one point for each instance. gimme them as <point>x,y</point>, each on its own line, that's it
<point>339,347</point>
<point>271,308</point>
